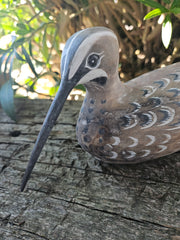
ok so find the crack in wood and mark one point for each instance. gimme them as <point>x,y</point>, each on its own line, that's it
<point>117,214</point>
<point>32,233</point>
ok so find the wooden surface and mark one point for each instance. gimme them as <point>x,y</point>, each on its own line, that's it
<point>71,195</point>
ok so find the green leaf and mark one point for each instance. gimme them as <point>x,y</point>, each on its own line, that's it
<point>2,58</point>
<point>31,54</point>
<point>8,63</point>
<point>152,4</point>
<point>8,60</point>
<point>2,51</point>
<point>19,57</point>
<point>175,4</point>
<point>38,5</point>
<point>45,47</point>
<point>53,90</point>
<point>30,48</point>
<point>11,62</point>
<point>167,1</point>
<point>7,99</point>
<point>9,27</point>
<point>21,25</point>
<point>80,87</point>
<point>22,32</point>
<point>154,13</point>
<point>29,61</point>
<point>166,31</point>
<point>47,15</point>
<point>175,10</point>
<point>29,82</point>
<point>18,42</point>
<point>23,29</point>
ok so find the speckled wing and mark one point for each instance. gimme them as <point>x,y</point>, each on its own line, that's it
<point>149,128</point>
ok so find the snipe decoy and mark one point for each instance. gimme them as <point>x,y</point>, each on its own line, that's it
<point>119,122</point>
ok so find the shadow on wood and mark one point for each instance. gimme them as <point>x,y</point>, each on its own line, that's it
<point>73,196</point>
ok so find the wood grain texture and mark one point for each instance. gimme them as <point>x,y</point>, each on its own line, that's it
<point>73,196</point>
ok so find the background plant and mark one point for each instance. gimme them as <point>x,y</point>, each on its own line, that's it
<point>39,28</point>
<point>173,7</point>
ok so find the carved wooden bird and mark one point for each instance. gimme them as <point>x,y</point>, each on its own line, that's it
<point>119,122</point>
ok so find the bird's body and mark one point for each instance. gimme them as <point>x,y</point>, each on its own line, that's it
<point>138,122</point>
<point>119,122</point>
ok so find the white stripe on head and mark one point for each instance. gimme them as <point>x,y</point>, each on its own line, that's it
<point>68,49</point>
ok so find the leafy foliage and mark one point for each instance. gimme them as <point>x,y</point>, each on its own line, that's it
<point>7,99</point>
<point>173,8</point>
<point>38,28</point>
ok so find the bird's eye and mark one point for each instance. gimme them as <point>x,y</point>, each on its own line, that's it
<point>93,60</point>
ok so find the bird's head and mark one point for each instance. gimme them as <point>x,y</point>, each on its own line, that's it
<point>90,57</point>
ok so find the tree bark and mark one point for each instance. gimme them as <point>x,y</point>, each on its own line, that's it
<point>71,195</point>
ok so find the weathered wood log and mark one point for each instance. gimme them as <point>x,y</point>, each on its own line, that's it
<point>73,196</point>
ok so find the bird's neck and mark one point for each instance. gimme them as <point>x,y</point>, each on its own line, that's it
<point>115,92</point>
<point>98,102</point>
<point>110,88</point>
<point>108,96</point>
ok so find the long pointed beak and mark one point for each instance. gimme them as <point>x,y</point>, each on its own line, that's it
<point>51,117</point>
